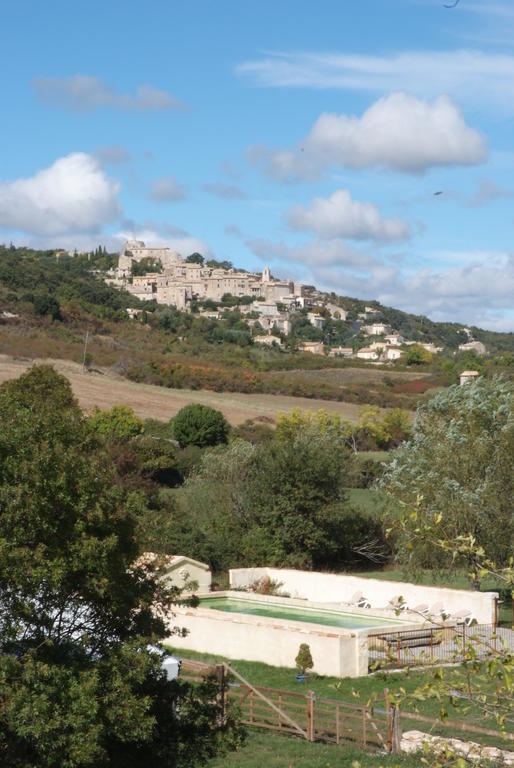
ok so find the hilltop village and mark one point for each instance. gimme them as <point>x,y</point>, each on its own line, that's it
<point>267,304</point>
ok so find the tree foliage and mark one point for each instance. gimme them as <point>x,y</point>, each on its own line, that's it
<point>304,658</point>
<point>194,258</point>
<point>458,469</point>
<point>118,423</point>
<point>279,502</point>
<point>200,425</point>
<point>417,355</point>
<point>78,684</point>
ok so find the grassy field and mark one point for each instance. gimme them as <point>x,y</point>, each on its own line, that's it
<point>154,356</point>
<point>363,498</point>
<point>374,455</point>
<point>104,390</point>
<point>350,375</point>
<point>358,690</point>
<point>272,750</point>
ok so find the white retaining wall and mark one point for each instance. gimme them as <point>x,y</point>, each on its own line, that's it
<point>335,587</point>
<point>272,641</point>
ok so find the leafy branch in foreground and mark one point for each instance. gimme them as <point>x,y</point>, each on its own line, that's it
<point>482,680</point>
<point>81,682</point>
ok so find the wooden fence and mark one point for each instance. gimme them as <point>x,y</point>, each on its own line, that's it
<point>312,717</point>
<point>374,727</point>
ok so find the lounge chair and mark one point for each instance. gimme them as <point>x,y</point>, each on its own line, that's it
<point>396,604</point>
<point>437,611</point>
<point>358,600</point>
<point>463,616</point>
<point>421,609</point>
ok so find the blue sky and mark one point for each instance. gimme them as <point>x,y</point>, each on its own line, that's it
<point>310,137</point>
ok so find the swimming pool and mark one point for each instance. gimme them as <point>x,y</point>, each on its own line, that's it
<point>316,615</point>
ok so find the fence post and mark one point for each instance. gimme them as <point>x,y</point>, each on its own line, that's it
<point>220,698</point>
<point>396,730</point>
<point>431,644</point>
<point>364,712</point>
<point>398,649</point>
<point>310,715</point>
<point>337,725</point>
<point>389,733</point>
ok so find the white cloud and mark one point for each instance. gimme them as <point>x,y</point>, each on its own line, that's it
<point>313,254</point>
<point>225,191</point>
<point>340,216</point>
<point>72,195</point>
<point>470,76</point>
<point>83,93</point>
<point>475,288</point>
<point>397,132</point>
<point>167,190</point>
<point>479,291</point>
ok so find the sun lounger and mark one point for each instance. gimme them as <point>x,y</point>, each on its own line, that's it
<point>396,604</point>
<point>437,611</point>
<point>358,600</point>
<point>421,609</point>
<point>463,616</point>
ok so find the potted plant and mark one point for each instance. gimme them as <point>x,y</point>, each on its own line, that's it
<point>303,662</point>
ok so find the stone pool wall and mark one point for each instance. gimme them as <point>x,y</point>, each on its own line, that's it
<point>338,588</point>
<point>336,652</point>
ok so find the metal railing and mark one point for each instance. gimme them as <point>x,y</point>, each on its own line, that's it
<point>437,645</point>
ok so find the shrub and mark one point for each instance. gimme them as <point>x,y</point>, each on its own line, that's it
<point>200,425</point>
<point>118,423</point>
<point>304,659</point>
<point>267,586</point>
<point>47,305</point>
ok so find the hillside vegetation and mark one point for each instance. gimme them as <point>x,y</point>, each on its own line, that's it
<point>48,304</point>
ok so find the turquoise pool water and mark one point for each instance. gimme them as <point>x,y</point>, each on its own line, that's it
<point>278,611</point>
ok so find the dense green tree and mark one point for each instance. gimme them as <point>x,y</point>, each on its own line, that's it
<point>295,498</point>
<point>458,469</point>
<point>417,355</point>
<point>47,305</point>
<point>280,502</point>
<point>200,425</point>
<point>194,258</point>
<point>211,516</point>
<point>78,684</point>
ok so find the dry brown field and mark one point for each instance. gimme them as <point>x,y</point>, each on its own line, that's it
<point>104,389</point>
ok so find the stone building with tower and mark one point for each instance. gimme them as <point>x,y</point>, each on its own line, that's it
<point>180,282</point>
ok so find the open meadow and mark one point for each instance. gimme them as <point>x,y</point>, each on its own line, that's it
<point>105,389</point>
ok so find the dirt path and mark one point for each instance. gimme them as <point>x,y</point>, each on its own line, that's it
<point>105,389</point>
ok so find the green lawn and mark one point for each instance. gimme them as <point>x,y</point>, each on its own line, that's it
<point>358,690</point>
<point>365,499</point>
<point>271,750</point>
<point>375,455</point>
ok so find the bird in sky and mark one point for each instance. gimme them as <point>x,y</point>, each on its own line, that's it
<point>440,192</point>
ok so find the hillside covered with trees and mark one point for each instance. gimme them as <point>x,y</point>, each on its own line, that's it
<point>50,302</point>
